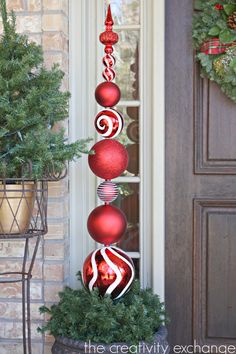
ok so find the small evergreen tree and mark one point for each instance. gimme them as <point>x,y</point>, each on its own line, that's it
<point>30,104</point>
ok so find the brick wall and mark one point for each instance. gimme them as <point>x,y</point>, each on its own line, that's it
<point>46,22</point>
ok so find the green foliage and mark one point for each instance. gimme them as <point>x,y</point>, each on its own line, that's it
<point>85,316</point>
<point>31,104</point>
<point>210,23</point>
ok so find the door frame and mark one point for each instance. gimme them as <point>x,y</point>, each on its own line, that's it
<point>158,141</point>
<point>82,83</point>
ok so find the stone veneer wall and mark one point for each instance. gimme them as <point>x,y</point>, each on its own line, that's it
<point>46,22</point>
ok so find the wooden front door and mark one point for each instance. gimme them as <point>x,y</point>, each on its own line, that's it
<point>200,194</point>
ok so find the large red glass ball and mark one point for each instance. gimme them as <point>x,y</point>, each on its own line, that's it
<point>109,160</point>
<point>110,270</point>
<point>109,123</point>
<point>106,224</point>
<point>107,94</point>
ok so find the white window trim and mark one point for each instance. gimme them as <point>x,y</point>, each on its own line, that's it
<point>83,109</point>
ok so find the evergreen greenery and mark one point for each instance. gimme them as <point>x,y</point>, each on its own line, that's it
<point>31,103</point>
<point>210,22</point>
<point>85,316</point>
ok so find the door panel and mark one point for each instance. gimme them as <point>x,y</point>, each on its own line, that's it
<point>214,254</point>
<point>215,129</point>
<point>200,194</point>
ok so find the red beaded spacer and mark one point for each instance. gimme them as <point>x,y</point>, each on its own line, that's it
<point>109,49</point>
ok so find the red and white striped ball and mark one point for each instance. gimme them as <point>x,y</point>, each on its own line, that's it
<point>109,60</point>
<point>107,191</point>
<point>109,123</point>
<point>109,74</point>
<point>110,270</point>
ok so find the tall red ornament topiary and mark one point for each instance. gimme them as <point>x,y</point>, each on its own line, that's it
<point>109,269</point>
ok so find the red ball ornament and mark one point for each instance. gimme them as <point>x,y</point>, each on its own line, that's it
<point>107,191</point>
<point>109,123</point>
<point>109,160</point>
<point>110,270</point>
<point>107,94</point>
<point>107,224</point>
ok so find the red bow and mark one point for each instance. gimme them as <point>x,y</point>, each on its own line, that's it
<point>214,47</point>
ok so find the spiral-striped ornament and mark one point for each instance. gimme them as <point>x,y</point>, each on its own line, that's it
<point>109,62</point>
<point>109,123</point>
<point>110,270</point>
<point>109,74</point>
<point>107,191</point>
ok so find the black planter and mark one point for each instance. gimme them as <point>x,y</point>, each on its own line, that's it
<point>69,346</point>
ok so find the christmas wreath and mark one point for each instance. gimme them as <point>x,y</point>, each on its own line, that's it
<point>214,38</point>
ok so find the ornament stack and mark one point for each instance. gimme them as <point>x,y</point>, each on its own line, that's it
<point>109,269</point>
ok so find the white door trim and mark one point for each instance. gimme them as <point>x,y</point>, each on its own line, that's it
<point>82,80</point>
<point>158,158</point>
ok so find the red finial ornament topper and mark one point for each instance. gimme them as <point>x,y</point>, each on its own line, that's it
<point>109,38</point>
<point>109,20</point>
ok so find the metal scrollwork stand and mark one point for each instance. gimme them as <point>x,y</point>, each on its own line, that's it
<point>23,216</point>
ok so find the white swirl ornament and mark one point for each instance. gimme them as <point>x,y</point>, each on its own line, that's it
<point>109,123</point>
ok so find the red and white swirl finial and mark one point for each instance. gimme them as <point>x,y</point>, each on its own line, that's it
<point>109,38</point>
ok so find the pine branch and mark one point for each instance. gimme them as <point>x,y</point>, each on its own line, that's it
<point>4,15</point>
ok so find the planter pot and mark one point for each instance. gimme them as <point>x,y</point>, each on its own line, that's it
<point>16,207</point>
<point>69,346</point>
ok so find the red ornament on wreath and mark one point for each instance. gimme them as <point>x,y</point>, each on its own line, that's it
<point>106,224</point>
<point>107,94</point>
<point>110,159</point>
<point>110,270</point>
<point>219,7</point>
<point>109,123</point>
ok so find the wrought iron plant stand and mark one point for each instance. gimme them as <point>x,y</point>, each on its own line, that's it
<point>23,216</point>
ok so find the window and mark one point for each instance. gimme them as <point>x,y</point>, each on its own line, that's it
<point>128,19</point>
<point>135,76</point>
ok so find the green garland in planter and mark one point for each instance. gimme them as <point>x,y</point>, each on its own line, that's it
<point>214,38</point>
<point>84,316</point>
